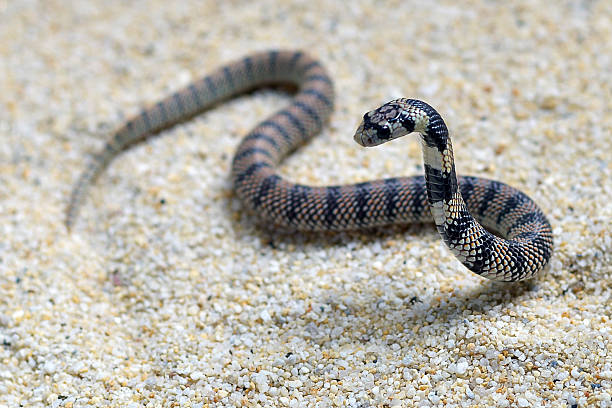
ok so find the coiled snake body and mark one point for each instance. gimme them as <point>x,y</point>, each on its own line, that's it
<point>451,200</point>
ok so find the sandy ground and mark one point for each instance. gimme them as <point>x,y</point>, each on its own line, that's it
<point>166,293</point>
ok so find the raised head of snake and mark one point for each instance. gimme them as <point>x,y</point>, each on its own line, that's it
<point>528,239</point>
<point>390,121</point>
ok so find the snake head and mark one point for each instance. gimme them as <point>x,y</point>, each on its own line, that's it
<point>388,122</point>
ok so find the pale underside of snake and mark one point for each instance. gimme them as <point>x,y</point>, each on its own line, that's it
<point>459,206</point>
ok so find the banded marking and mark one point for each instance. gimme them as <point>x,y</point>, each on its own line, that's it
<point>229,79</point>
<point>295,122</point>
<point>297,197</point>
<point>466,188</point>
<point>144,115</point>
<point>440,185</point>
<point>391,192</point>
<point>129,125</point>
<point>262,136</point>
<point>249,171</point>
<point>251,151</point>
<point>310,112</point>
<point>210,85</point>
<point>267,184</point>
<point>195,94</point>
<point>524,219</point>
<point>332,197</point>
<point>248,68</point>
<point>294,59</point>
<point>418,191</point>
<point>179,102</point>
<point>310,66</point>
<point>272,62</point>
<point>362,196</point>
<point>317,94</point>
<point>432,156</point>
<point>510,205</point>
<point>161,109</point>
<point>279,128</point>
<point>318,77</point>
<point>489,195</point>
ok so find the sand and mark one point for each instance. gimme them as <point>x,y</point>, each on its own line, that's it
<point>166,293</point>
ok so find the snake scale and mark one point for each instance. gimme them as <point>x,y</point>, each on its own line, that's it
<point>457,204</point>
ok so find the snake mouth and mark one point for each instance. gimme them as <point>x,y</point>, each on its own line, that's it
<point>370,134</point>
<point>366,139</point>
<point>359,136</point>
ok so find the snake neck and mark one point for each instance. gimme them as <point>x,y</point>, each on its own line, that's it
<point>438,158</point>
<point>443,194</point>
<point>463,235</point>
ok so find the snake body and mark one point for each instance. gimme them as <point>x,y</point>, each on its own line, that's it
<point>449,199</point>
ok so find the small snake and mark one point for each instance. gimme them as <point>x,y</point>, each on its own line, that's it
<point>455,203</point>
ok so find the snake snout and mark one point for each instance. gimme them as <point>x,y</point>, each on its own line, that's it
<point>366,136</point>
<point>371,132</point>
<point>359,135</point>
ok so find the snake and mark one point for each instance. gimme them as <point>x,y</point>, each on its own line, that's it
<point>493,229</point>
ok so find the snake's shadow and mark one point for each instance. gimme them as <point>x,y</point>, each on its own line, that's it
<point>371,315</point>
<point>481,301</point>
<point>412,319</point>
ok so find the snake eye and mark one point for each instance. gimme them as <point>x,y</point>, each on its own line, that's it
<point>383,131</point>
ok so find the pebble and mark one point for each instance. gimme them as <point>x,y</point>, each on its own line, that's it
<point>462,367</point>
<point>167,292</point>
